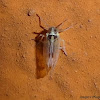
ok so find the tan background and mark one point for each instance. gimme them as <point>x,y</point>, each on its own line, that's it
<point>76,75</point>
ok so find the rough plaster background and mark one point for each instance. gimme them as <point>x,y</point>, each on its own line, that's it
<point>76,75</point>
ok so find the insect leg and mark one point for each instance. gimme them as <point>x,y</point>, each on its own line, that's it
<point>42,36</point>
<point>47,26</point>
<point>65,29</point>
<point>39,38</point>
<point>62,30</point>
<point>63,48</point>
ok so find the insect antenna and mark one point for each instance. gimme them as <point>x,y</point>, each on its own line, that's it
<point>47,26</point>
<point>61,23</point>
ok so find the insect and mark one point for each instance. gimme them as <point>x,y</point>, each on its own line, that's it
<point>52,43</point>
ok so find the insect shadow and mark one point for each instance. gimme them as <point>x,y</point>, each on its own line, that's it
<point>41,68</point>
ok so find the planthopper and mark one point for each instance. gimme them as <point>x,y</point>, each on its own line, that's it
<point>52,43</point>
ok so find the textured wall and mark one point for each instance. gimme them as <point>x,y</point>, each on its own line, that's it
<point>74,76</point>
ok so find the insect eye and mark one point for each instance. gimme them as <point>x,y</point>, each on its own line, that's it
<point>55,37</point>
<point>49,36</point>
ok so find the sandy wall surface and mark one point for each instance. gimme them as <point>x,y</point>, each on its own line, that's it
<point>76,76</point>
